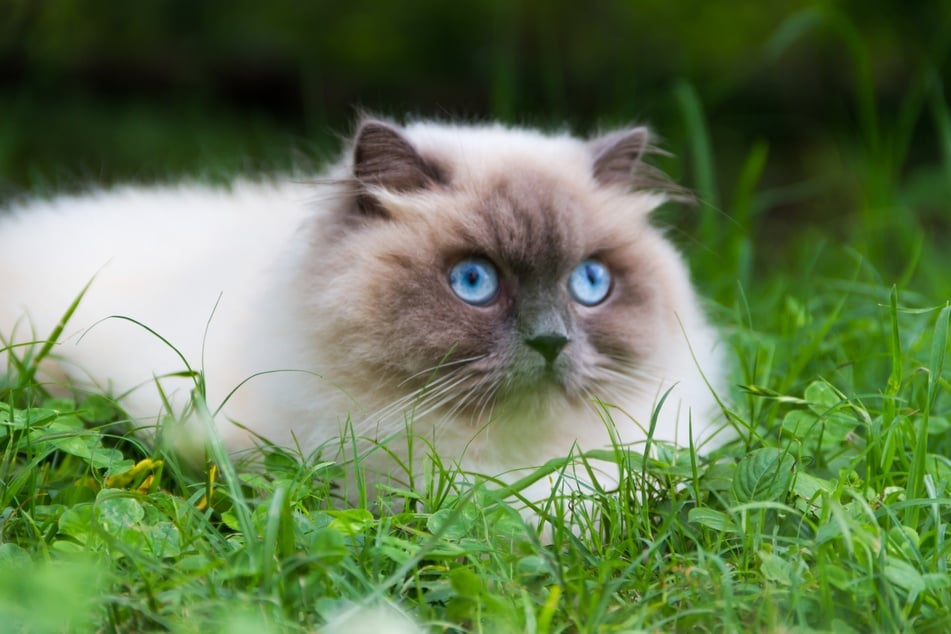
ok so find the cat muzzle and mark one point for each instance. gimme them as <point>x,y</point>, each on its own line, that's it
<point>545,330</point>
<point>548,344</point>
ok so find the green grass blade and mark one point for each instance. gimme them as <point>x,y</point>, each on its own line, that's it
<point>53,337</point>
<point>701,155</point>
<point>942,118</point>
<point>740,244</point>
<point>917,470</point>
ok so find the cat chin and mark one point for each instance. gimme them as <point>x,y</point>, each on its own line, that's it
<point>546,400</point>
<point>533,455</point>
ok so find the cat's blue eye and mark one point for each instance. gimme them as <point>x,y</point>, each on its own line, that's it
<point>475,281</point>
<point>590,283</point>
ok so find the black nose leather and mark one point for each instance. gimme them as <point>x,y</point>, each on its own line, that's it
<point>549,344</point>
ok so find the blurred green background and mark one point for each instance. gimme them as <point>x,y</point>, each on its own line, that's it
<point>781,115</point>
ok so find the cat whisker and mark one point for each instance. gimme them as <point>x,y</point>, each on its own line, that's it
<point>438,400</point>
<point>442,365</point>
<point>422,402</point>
<point>476,393</point>
<point>617,382</point>
<point>472,391</point>
<point>432,385</point>
<point>653,371</point>
<point>487,400</point>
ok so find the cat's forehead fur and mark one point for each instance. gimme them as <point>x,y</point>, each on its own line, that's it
<point>479,154</point>
<point>528,199</point>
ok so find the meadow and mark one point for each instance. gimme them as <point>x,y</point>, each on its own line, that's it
<point>827,513</point>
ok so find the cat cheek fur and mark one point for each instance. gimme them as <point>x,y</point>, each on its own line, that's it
<point>401,317</point>
<point>627,325</point>
<point>425,326</point>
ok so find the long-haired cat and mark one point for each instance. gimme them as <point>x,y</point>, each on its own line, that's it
<point>487,289</point>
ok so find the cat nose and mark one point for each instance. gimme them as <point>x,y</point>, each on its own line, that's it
<point>549,344</point>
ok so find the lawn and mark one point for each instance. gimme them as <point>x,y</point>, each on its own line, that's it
<point>826,513</point>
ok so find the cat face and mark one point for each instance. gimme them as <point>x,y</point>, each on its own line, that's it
<point>486,271</point>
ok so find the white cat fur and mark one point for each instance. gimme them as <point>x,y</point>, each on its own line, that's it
<point>218,273</point>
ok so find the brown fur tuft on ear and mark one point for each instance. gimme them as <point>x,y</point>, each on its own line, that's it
<point>618,160</point>
<point>383,157</point>
<point>617,155</point>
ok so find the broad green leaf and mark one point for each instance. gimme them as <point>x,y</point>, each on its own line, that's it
<point>352,521</point>
<point>13,558</point>
<point>841,627</point>
<point>822,397</point>
<point>115,513</point>
<point>26,418</point>
<point>68,547</point>
<point>838,426</point>
<point>256,480</point>
<point>328,545</point>
<point>807,485</point>
<point>718,477</point>
<point>453,523</point>
<point>64,405</point>
<point>73,445</point>
<point>801,424</point>
<point>937,581</point>
<point>776,569</point>
<point>231,521</point>
<point>836,576</point>
<point>465,582</point>
<point>76,522</point>
<point>163,539</point>
<point>533,566</point>
<point>764,474</point>
<point>97,409</point>
<point>904,575</point>
<point>711,518</point>
<point>904,540</point>
<point>397,549</point>
<point>451,527</point>
<point>938,425</point>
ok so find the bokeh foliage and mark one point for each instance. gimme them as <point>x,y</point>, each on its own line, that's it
<point>796,122</point>
<point>140,90</point>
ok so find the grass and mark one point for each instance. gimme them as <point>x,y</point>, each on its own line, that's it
<point>829,512</point>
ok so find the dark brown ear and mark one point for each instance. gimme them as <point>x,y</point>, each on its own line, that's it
<point>617,156</point>
<point>618,160</point>
<point>383,157</point>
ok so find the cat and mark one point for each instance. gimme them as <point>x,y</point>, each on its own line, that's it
<point>498,292</point>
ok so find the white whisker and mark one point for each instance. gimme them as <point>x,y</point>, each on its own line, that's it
<point>440,366</point>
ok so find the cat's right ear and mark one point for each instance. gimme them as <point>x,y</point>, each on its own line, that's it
<point>384,159</point>
<point>618,159</point>
<point>617,156</point>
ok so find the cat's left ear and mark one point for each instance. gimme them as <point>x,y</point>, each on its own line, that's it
<point>384,158</point>
<point>617,156</point>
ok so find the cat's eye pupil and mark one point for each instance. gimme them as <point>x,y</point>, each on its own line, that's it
<point>472,276</point>
<point>474,280</point>
<point>590,283</point>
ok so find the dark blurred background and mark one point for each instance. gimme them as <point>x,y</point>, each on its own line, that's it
<point>778,114</point>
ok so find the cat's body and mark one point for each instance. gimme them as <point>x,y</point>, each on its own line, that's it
<point>481,284</point>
